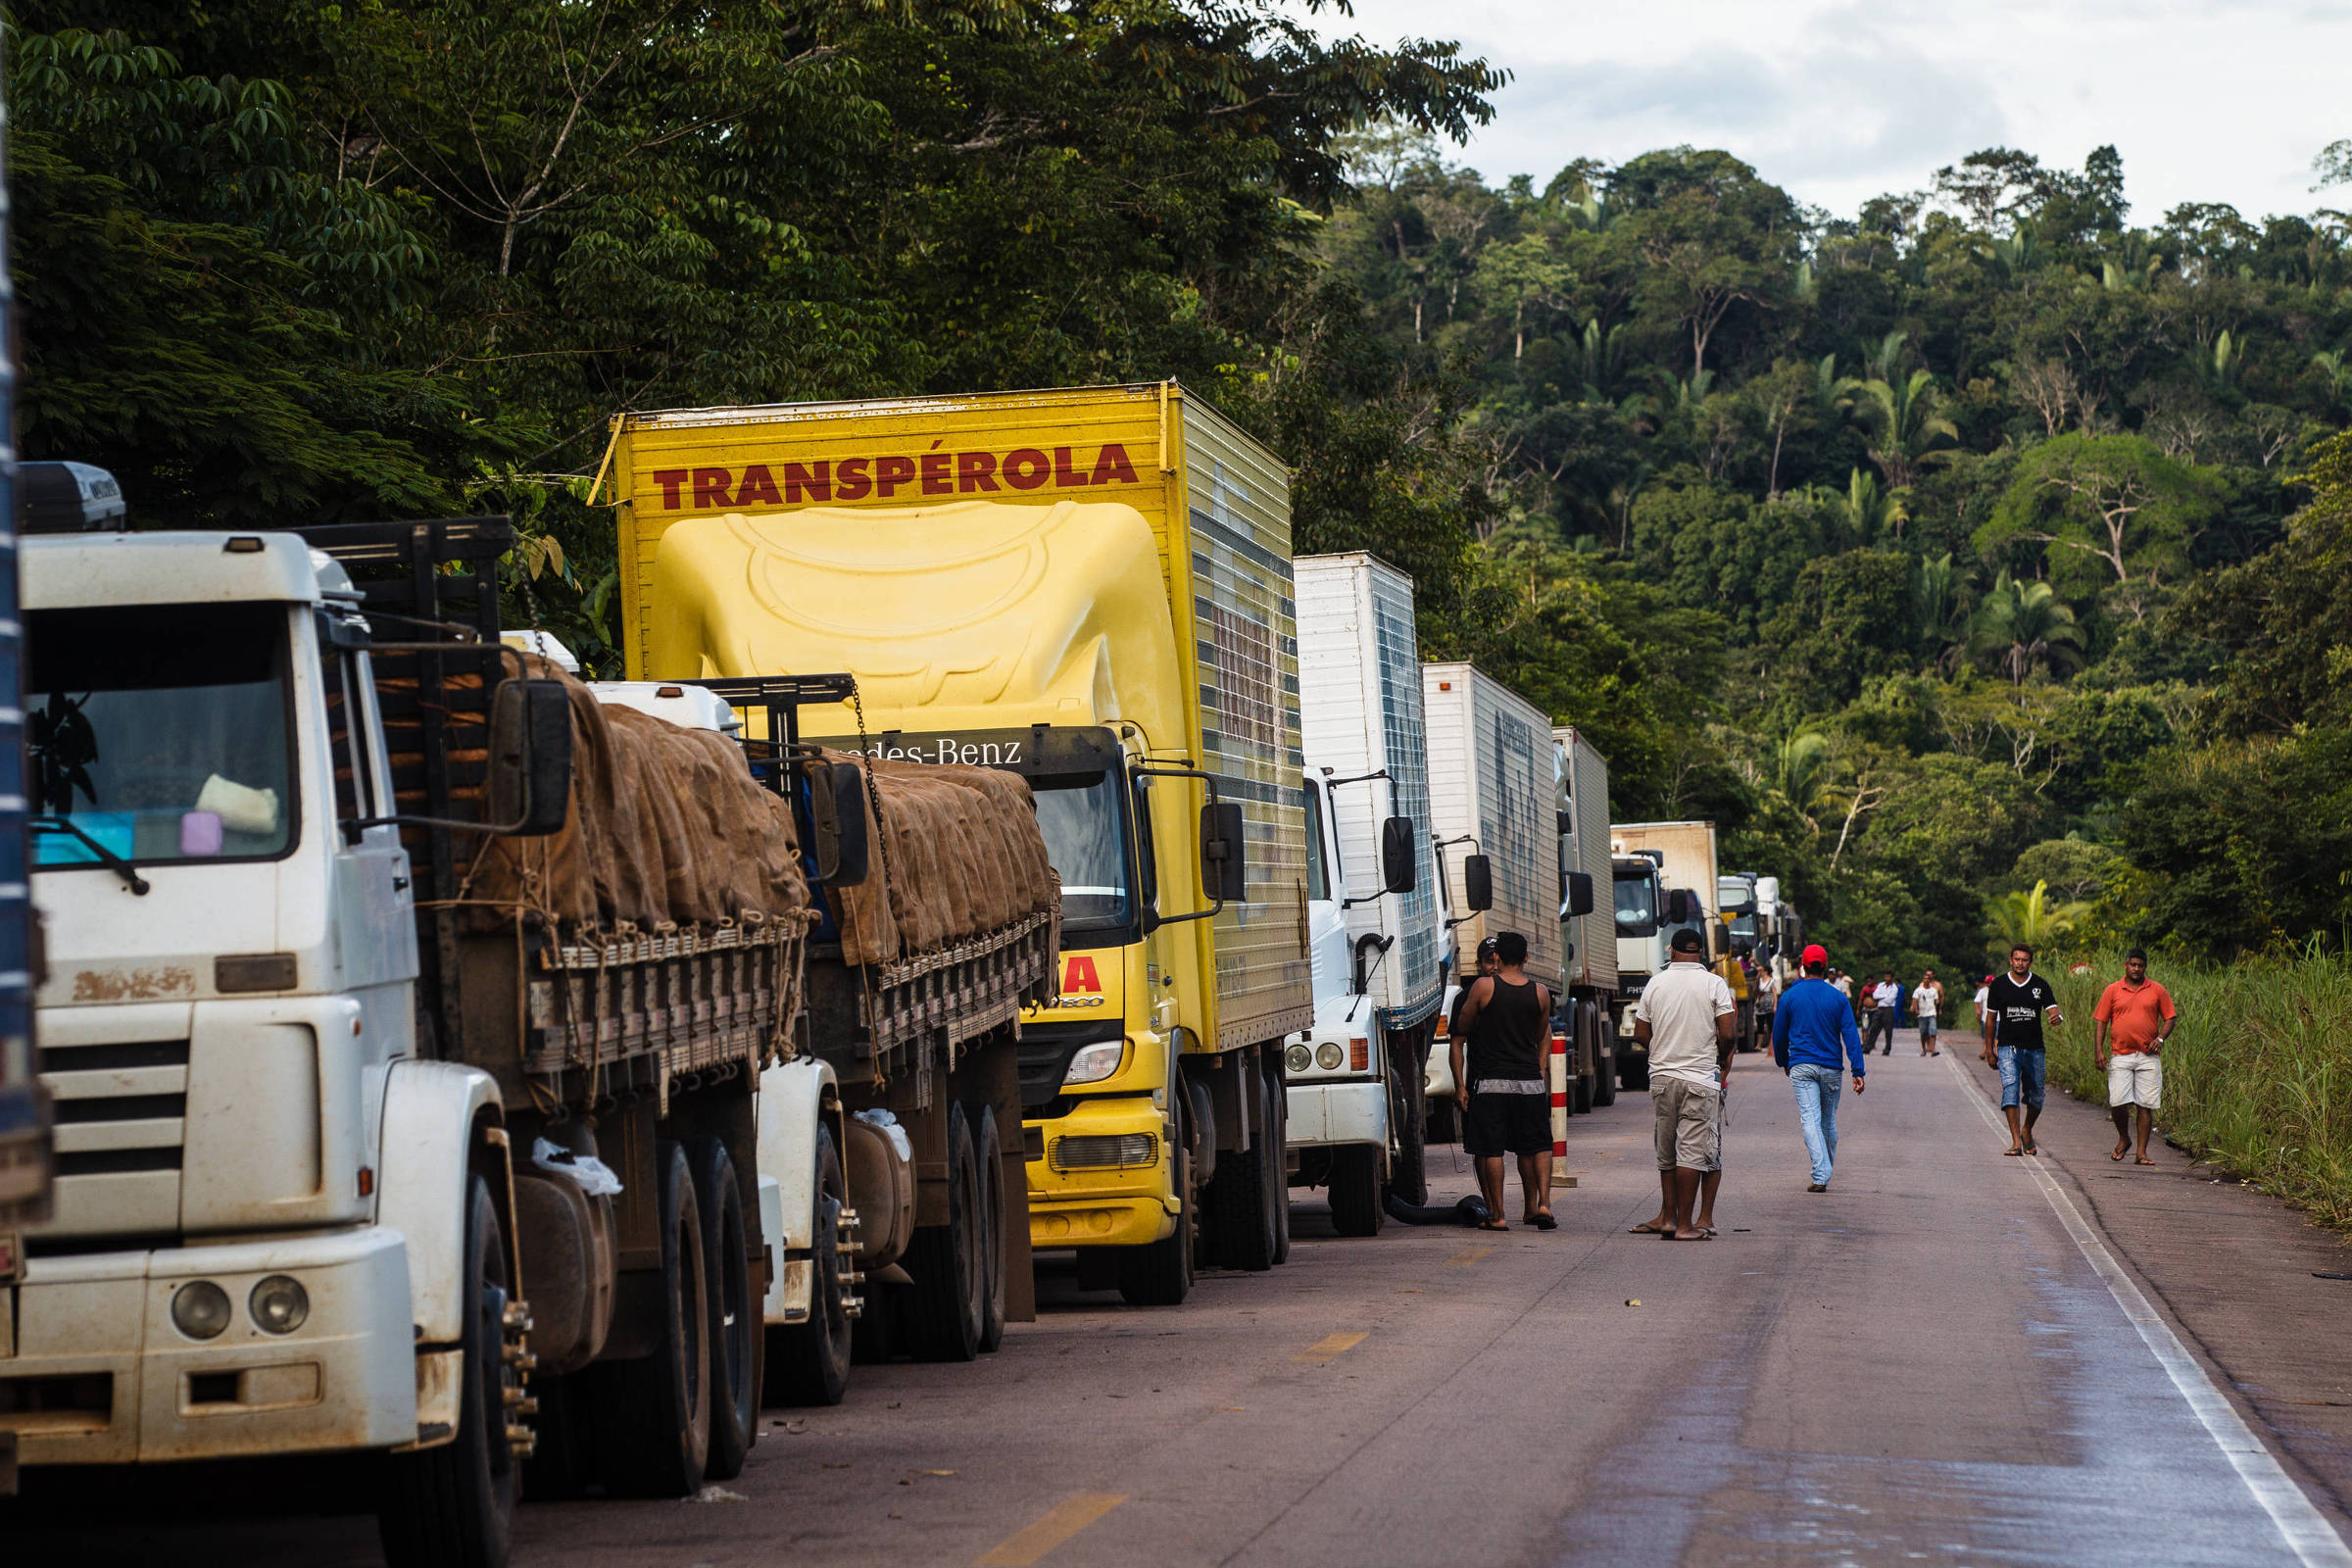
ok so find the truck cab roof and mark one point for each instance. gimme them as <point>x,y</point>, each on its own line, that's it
<point>72,572</point>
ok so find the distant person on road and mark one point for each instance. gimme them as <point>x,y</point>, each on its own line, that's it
<point>1844,984</point>
<point>1886,1003</point>
<point>1505,1104</point>
<point>1927,1001</point>
<point>1689,1022</point>
<point>2135,1015</point>
<point>1982,1001</point>
<point>2016,1005</point>
<point>1813,1037</point>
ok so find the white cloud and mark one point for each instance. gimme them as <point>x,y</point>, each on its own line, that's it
<point>2206,100</point>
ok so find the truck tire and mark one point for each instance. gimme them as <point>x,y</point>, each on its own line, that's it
<point>808,1363</point>
<point>1355,1203</point>
<point>1596,1023</point>
<point>1278,1117</point>
<point>990,1148</point>
<point>1160,1273</point>
<point>454,1506</point>
<point>1249,1187</point>
<point>1632,1072</point>
<point>942,1312</point>
<point>651,1415</point>
<point>735,1329</point>
<point>1408,1081</point>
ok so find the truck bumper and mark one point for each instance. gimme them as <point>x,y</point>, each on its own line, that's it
<point>1328,1115</point>
<point>100,1375</point>
<point>1089,1189</point>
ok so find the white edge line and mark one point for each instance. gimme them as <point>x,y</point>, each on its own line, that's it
<point>2306,1531</point>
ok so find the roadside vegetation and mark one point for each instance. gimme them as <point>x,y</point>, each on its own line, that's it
<point>2258,1077</point>
<point>1976,560</point>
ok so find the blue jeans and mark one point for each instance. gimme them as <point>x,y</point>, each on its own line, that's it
<point>2023,1070</point>
<point>1817,1089</point>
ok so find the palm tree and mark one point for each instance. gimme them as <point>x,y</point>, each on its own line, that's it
<point>2338,365</point>
<point>2030,919</point>
<point>1798,760</point>
<point>1906,433</point>
<point>1869,510</point>
<point>2025,625</point>
<point>1941,614</point>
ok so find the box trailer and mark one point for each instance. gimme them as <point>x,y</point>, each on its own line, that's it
<point>1492,788</point>
<point>1588,926</point>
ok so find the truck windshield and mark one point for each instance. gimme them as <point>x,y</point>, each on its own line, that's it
<point>160,733</point>
<point>1636,906</point>
<point>1086,841</point>
<point>1077,777</point>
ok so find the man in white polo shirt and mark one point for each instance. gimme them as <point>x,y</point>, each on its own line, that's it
<point>1687,1018</point>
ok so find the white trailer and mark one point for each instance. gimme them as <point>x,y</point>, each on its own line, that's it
<point>1355,1079</point>
<point>1587,924</point>
<point>1493,794</point>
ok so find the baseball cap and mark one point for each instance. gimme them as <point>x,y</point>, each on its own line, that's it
<point>1814,953</point>
<point>1488,947</point>
<point>1687,941</point>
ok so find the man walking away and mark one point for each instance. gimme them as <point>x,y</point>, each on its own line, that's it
<point>2139,1015</point>
<point>1884,998</point>
<point>2015,1007</point>
<point>1505,1104</point>
<point>1688,1019</point>
<point>1844,984</point>
<point>1815,1030</point>
<point>1926,1003</point>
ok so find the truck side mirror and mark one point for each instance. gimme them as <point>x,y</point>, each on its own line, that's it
<point>1567,823</point>
<point>530,757</point>
<point>1678,907</point>
<point>1478,883</point>
<point>1397,873</point>
<point>837,808</point>
<point>1224,851</point>
<point>1580,893</point>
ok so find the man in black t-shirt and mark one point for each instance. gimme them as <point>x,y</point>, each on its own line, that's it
<point>2015,1006</point>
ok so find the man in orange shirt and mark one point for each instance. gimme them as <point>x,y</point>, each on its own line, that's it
<point>2135,1015</point>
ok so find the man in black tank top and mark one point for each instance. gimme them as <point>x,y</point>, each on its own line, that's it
<point>1505,1098</point>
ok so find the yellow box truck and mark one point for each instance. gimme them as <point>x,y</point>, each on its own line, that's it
<point>1092,587</point>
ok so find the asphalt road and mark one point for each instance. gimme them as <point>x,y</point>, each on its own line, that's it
<point>1952,1356</point>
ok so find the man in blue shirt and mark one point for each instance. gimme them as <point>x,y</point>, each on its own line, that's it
<point>1813,1023</point>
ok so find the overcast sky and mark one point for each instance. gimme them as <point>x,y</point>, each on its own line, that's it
<point>1836,103</point>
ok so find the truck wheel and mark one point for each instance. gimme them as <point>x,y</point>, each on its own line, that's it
<point>1408,1070</point>
<point>651,1415</point>
<point>455,1505</point>
<point>1160,1273</point>
<point>993,1246</point>
<point>1605,1067</point>
<point>1632,1072</point>
<point>1355,1207</point>
<point>1278,1117</point>
<point>943,1310</point>
<point>808,1363</point>
<point>734,1315</point>
<point>1243,1197</point>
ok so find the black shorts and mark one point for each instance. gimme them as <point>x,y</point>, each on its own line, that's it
<point>1508,1124</point>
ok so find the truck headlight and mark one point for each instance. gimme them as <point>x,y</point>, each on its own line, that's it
<point>1327,1055</point>
<point>1096,1062</point>
<point>1298,1058</point>
<point>200,1310</point>
<point>279,1304</point>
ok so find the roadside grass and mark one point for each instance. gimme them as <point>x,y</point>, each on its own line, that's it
<point>2257,1076</point>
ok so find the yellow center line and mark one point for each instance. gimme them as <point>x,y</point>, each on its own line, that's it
<point>1467,1256</point>
<point>1329,1348</point>
<point>1049,1529</point>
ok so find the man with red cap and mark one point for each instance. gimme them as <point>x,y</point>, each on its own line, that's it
<point>1813,1030</point>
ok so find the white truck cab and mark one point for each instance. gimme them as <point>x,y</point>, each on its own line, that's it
<point>1338,1092</point>
<point>254,1249</point>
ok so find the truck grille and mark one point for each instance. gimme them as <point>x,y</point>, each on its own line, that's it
<point>120,1107</point>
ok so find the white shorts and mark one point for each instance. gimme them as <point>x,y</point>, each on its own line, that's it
<point>2134,1078</point>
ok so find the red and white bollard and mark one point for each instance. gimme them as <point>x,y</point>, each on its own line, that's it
<point>1558,1076</point>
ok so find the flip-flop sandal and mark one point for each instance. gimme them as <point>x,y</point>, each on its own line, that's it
<point>1647,1229</point>
<point>1494,1225</point>
<point>2013,1153</point>
<point>2143,1162</point>
<point>1543,1222</point>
